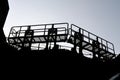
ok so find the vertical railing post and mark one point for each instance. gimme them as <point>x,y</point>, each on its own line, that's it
<point>75,37</point>
<point>80,43</point>
<point>53,34</point>
<point>47,40</point>
<point>98,47</point>
<point>28,38</point>
<point>93,49</point>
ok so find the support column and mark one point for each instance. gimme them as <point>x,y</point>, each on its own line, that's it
<point>53,34</point>
<point>28,38</point>
<point>80,43</point>
<point>96,49</point>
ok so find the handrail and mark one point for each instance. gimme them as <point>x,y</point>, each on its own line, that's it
<point>43,25</point>
<point>107,43</point>
<point>89,32</point>
<point>67,31</point>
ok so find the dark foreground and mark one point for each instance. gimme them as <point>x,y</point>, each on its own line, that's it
<point>63,62</point>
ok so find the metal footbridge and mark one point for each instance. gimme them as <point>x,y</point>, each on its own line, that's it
<point>51,34</point>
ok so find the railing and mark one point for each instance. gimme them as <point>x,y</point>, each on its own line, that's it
<point>17,35</point>
<point>90,37</point>
<point>42,29</point>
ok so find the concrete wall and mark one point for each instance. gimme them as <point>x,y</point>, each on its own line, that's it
<point>4,8</point>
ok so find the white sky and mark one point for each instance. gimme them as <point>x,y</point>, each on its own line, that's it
<point>101,17</point>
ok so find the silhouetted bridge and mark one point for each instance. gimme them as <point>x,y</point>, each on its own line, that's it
<point>51,34</point>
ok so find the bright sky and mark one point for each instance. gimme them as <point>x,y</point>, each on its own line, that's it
<point>101,17</point>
